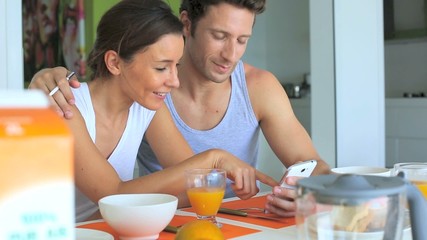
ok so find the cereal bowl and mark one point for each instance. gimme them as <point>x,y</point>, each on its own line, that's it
<point>138,216</point>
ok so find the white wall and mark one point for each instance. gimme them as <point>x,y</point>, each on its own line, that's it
<point>347,77</point>
<point>280,41</point>
<point>11,53</point>
<point>256,53</point>
<point>359,77</point>
<point>323,120</point>
<point>288,46</point>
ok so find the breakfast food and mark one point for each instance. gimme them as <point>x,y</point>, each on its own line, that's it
<point>351,218</point>
<point>199,230</point>
<point>367,217</point>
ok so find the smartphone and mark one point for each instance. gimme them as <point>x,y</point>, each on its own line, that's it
<point>302,169</point>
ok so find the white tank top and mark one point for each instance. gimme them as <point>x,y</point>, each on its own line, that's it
<point>123,157</point>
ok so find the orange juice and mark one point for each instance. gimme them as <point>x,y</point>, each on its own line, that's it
<point>205,201</point>
<point>36,170</point>
<point>422,186</point>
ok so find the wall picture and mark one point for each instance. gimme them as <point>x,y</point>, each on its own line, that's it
<point>53,35</point>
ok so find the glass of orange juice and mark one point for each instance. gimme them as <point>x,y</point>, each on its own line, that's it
<point>205,191</point>
<point>415,172</point>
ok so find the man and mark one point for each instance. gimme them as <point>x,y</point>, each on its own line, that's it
<point>223,102</point>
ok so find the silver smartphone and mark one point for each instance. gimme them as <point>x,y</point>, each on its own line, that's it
<point>302,169</point>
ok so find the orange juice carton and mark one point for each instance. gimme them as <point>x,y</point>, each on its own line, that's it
<point>36,169</point>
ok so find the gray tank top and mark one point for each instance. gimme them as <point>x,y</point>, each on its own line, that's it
<point>237,132</point>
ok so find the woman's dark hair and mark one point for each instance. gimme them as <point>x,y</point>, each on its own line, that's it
<point>129,27</point>
<point>196,9</point>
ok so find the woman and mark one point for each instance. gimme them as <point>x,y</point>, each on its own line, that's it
<point>133,63</point>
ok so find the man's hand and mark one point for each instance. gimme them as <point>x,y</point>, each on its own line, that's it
<point>47,79</point>
<point>281,202</point>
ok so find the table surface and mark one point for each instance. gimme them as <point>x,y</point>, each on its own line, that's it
<point>234,227</point>
<point>268,229</point>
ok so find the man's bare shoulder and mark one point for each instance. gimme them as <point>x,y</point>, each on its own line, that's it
<point>257,77</point>
<point>264,87</point>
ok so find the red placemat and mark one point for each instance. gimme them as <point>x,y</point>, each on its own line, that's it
<point>229,231</point>
<point>252,202</point>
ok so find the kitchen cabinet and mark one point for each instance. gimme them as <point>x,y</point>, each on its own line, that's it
<point>406,131</point>
<point>405,19</point>
<point>405,47</point>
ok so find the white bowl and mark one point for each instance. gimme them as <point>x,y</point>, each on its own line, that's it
<point>138,216</point>
<point>363,170</point>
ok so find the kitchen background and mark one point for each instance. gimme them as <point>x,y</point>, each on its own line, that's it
<point>281,44</point>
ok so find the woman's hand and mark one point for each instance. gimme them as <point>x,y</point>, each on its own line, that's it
<point>47,79</point>
<point>243,175</point>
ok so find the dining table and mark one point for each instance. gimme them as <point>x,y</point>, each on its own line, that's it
<point>233,226</point>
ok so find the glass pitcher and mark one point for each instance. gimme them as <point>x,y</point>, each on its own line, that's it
<point>359,207</point>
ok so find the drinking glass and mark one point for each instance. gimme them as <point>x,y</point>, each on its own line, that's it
<point>415,172</point>
<point>205,190</point>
